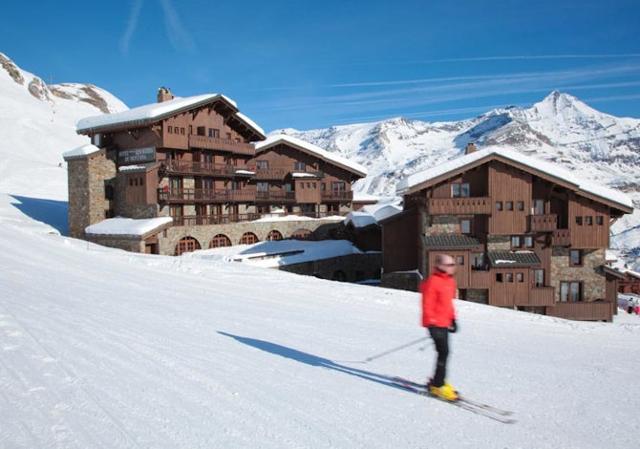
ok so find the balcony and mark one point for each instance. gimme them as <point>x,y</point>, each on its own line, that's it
<point>270,173</point>
<point>276,197</point>
<point>584,311</point>
<point>199,168</point>
<point>543,223</point>
<point>459,206</point>
<point>561,237</point>
<point>541,296</point>
<point>200,220</point>
<point>216,143</point>
<point>336,195</point>
<point>205,196</point>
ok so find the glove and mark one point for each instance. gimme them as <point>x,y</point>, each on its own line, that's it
<point>454,327</point>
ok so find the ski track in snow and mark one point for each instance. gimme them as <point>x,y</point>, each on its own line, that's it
<point>107,349</point>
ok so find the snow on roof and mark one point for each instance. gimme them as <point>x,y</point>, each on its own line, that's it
<point>250,122</point>
<point>610,256</point>
<point>127,226</point>
<point>84,150</point>
<point>303,175</point>
<point>275,217</point>
<point>314,150</point>
<point>273,254</point>
<point>146,113</point>
<point>515,156</point>
<point>360,219</point>
<point>245,172</point>
<point>126,168</point>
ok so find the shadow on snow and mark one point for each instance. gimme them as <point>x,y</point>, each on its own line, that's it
<point>313,360</point>
<point>51,212</point>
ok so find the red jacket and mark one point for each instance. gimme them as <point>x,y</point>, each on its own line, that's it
<point>438,291</point>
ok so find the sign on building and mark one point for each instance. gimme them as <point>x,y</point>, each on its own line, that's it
<point>136,156</point>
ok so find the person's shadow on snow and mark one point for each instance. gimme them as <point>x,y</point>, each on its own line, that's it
<point>313,360</point>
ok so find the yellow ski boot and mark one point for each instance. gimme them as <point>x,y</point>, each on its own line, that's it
<point>445,392</point>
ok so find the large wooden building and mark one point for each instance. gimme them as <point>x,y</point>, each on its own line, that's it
<point>525,234</point>
<point>194,160</point>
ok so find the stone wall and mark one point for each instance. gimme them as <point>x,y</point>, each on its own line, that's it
<point>321,229</point>
<point>478,295</point>
<point>126,243</point>
<point>590,273</point>
<point>402,280</point>
<point>442,224</point>
<point>88,177</point>
<point>350,268</point>
<point>498,243</point>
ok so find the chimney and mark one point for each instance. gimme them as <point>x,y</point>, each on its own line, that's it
<point>470,148</point>
<point>164,94</point>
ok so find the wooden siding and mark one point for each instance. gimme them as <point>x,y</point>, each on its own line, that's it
<point>584,235</point>
<point>543,223</point>
<point>463,271</point>
<point>541,296</point>
<point>509,294</point>
<point>399,246</point>
<point>587,311</point>
<point>507,184</point>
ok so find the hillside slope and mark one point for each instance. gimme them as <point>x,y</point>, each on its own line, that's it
<point>102,348</point>
<point>38,124</point>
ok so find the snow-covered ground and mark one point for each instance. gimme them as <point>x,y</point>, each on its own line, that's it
<point>103,348</point>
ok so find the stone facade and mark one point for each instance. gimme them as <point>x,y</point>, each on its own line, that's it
<point>350,268</point>
<point>168,239</point>
<point>442,224</point>
<point>498,243</point>
<point>132,244</point>
<point>402,280</point>
<point>88,178</point>
<point>589,273</point>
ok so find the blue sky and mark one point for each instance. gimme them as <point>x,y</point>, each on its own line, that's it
<point>315,64</point>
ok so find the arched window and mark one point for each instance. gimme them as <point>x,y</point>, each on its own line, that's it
<point>274,235</point>
<point>302,234</point>
<point>249,238</point>
<point>219,241</point>
<point>186,245</point>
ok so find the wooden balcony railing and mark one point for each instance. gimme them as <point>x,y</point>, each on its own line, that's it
<point>270,173</point>
<point>543,223</point>
<point>459,206</point>
<point>587,311</point>
<point>479,278</point>
<point>205,196</point>
<point>196,220</point>
<point>276,196</point>
<point>331,195</point>
<point>561,237</point>
<point>215,143</point>
<point>200,168</point>
<point>541,296</point>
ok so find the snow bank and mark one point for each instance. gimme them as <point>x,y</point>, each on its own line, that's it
<point>127,226</point>
<point>360,219</point>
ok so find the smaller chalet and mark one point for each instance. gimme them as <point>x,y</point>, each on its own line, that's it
<point>525,233</point>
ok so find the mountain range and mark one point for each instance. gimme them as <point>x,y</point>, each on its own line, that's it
<point>37,121</point>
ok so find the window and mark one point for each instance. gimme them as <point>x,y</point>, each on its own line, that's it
<point>498,277</point>
<point>213,132</point>
<point>538,207</point>
<point>299,166</point>
<point>182,131</point>
<point>478,261</point>
<point>538,278</point>
<point>528,241</point>
<point>575,257</point>
<point>570,291</point>
<point>498,205</point>
<point>228,136</point>
<point>508,277</point>
<point>599,220</point>
<point>170,129</point>
<point>508,205</point>
<point>200,130</point>
<point>323,187</point>
<point>460,260</point>
<point>460,190</point>
<point>465,226</point>
<point>588,220</point>
<point>516,241</point>
<point>262,187</point>
<point>520,205</point>
<point>262,165</point>
<point>190,129</point>
<point>519,277</point>
<point>219,240</point>
<point>579,221</point>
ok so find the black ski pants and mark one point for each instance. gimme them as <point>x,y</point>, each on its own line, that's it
<point>440,336</point>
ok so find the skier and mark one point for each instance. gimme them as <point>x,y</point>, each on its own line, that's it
<point>438,316</point>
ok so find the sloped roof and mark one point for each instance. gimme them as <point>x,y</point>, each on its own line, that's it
<point>313,150</point>
<point>513,259</point>
<point>415,182</point>
<point>450,241</point>
<point>128,226</point>
<point>149,113</point>
<point>81,151</point>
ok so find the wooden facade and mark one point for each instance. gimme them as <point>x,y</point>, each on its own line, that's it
<point>541,240</point>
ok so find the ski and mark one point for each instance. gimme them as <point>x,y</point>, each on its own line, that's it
<point>479,408</point>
